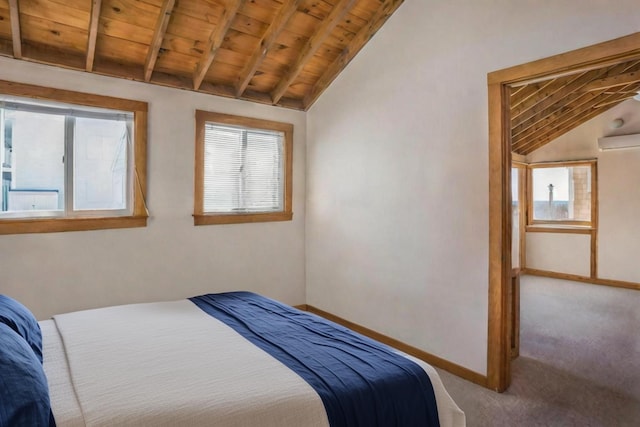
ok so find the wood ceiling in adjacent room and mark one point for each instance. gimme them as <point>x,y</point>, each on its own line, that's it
<point>542,111</point>
<point>279,52</point>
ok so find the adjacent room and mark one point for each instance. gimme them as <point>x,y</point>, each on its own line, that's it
<point>457,180</point>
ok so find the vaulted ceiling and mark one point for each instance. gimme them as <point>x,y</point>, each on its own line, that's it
<point>279,52</point>
<point>542,111</point>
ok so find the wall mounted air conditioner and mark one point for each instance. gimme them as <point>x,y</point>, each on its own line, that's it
<point>619,142</point>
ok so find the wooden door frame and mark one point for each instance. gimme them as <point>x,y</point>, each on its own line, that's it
<point>499,315</point>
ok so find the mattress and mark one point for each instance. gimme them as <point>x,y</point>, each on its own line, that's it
<point>169,364</point>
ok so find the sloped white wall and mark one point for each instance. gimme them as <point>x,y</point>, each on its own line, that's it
<point>170,258</point>
<point>397,166</point>
<point>618,194</point>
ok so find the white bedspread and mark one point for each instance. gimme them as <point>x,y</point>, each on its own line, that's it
<point>171,364</point>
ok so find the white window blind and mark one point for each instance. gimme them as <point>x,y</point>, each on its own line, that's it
<point>243,170</point>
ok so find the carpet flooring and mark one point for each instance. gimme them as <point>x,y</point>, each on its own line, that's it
<point>579,361</point>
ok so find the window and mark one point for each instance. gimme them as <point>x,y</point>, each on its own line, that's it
<point>562,193</point>
<point>243,169</point>
<point>70,161</point>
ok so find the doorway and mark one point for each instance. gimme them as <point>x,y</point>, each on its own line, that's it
<point>501,299</point>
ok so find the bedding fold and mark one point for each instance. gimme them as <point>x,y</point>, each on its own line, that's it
<point>360,381</point>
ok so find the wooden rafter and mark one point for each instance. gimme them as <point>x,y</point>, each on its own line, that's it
<point>614,81</point>
<point>16,38</point>
<point>268,39</point>
<point>562,88</point>
<point>347,54</point>
<point>522,111</point>
<point>215,41</point>
<point>564,129</point>
<point>282,52</point>
<point>570,104</point>
<point>96,5</point>
<point>572,118</point>
<point>340,9</point>
<point>549,116</point>
<point>572,112</point>
<point>560,98</point>
<point>158,37</point>
<point>528,94</point>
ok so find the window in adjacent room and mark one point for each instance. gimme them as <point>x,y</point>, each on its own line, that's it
<point>69,166</point>
<point>243,169</point>
<point>562,193</point>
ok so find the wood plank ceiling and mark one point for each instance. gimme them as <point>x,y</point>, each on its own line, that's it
<point>279,52</point>
<point>545,110</point>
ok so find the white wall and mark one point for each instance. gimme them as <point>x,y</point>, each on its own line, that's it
<point>397,194</point>
<point>559,252</point>
<point>618,191</point>
<point>170,258</point>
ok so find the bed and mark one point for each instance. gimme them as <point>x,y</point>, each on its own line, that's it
<point>231,359</point>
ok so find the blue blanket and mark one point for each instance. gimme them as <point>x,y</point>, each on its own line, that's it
<point>360,381</point>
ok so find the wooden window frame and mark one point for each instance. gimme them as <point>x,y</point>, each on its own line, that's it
<point>533,224</point>
<point>139,215</point>
<point>200,217</point>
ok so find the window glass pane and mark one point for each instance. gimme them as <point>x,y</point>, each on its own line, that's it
<point>100,164</point>
<point>243,170</point>
<point>562,193</point>
<point>32,163</point>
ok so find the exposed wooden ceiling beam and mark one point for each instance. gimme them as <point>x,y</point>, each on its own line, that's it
<point>340,9</point>
<point>562,130</point>
<point>566,94</point>
<point>348,53</point>
<point>552,93</point>
<point>563,88</point>
<point>550,115</point>
<point>268,39</point>
<point>613,81</point>
<point>158,37</point>
<point>570,119</point>
<point>529,93</point>
<point>96,5</point>
<point>571,110</point>
<point>16,38</point>
<point>215,41</point>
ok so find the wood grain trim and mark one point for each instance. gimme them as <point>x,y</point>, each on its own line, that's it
<point>431,359</point>
<point>570,62</point>
<point>339,11</point>
<point>96,5</point>
<point>212,219</point>
<point>215,41</point>
<point>16,38</point>
<point>69,224</point>
<point>499,349</point>
<point>203,218</point>
<point>561,230</point>
<point>268,39</point>
<point>348,53</point>
<point>583,279</point>
<point>158,37</point>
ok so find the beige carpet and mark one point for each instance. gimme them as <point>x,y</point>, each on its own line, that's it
<point>579,363</point>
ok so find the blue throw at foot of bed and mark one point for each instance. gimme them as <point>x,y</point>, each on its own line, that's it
<point>360,381</point>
